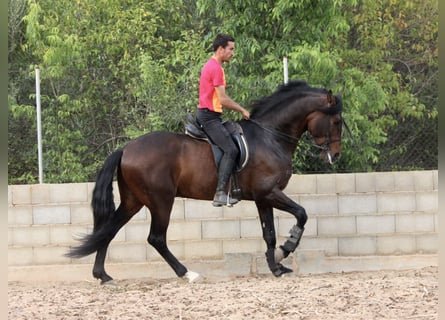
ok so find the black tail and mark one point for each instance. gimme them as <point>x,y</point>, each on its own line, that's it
<point>103,207</point>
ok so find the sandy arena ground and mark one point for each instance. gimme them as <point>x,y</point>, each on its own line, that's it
<point>411,294</point>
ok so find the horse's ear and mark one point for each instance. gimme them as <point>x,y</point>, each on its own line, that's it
<point>331,98</point>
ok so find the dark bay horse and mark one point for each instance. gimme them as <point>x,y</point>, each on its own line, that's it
<point>155,168</point>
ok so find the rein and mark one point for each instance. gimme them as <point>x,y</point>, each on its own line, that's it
<point>275,132</point>
<point>293,140</point>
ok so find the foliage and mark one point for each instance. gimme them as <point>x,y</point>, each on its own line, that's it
<point>105,77</point>
<point>404,57</point>
<point>22,147</point>
<point>113,70</point>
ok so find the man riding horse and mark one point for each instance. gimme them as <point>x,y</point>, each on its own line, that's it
<point>212,99</point>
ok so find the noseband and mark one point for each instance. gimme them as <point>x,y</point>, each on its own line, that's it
<point>325,146</point>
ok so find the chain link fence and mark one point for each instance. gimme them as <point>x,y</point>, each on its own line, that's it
<point>411,145</point>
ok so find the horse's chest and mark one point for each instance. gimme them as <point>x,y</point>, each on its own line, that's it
<point>284,178</point>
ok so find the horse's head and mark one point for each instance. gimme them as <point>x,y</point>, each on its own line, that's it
<point>325,126</point>
<point>296,107</point>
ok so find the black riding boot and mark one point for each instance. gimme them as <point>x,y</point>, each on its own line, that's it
<point>224,172</point>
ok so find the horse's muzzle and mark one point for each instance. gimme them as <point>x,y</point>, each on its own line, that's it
<point>329,157</point>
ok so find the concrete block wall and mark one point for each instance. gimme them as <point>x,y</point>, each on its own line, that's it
<point>356,214</point>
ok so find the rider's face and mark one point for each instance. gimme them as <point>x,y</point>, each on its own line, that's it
<point>228,52</point>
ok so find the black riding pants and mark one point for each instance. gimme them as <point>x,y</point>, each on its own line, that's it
<point>211,122</point>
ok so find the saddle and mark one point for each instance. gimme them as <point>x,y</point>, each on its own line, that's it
<point>194,130</point>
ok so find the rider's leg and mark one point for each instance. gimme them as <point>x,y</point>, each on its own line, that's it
<point>224,171</point>
<point>212,125</point>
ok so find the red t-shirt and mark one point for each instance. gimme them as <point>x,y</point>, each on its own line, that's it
<point>212,75</point>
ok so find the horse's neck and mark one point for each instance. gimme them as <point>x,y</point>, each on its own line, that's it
<point>272,136</point>
<point>291,127</point>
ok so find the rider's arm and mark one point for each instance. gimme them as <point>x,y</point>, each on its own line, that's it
<point>228,103</point>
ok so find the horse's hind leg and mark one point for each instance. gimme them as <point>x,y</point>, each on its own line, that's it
<point>117,220</point>
<point>160,213</point>
<point>99,268</point>
<point>158,239</point>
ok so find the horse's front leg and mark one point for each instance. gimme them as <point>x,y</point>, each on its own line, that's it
<point>267,225</point>
<point>277,199</point>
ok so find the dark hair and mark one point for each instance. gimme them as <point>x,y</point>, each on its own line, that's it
<point>222,40</point>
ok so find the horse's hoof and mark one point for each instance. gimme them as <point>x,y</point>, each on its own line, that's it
<point>108,283</point>
<point>281,270</point>
<point>192,276</point>
<point>106,279</point>
<point>285,269</point>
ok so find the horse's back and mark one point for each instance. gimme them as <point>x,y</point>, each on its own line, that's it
<point>169,162</point>
<point>170,147</point>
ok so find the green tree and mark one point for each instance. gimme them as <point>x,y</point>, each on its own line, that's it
<point>107,76</point>
<point>342,45</point>
<point>22,137</point>
<point>397,40</point>
<point>113,70</point>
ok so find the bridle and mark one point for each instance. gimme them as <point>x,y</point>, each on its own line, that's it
<point>325,146</point>
<point>292,140</point>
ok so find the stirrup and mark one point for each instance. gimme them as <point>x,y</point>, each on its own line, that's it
<point>222,199</point>
<point>231,201</point>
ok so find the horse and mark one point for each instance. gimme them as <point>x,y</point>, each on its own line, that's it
<point>155,168</point>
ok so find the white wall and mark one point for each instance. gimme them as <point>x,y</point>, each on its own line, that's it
<point>357,214</point>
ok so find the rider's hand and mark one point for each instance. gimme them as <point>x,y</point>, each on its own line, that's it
<point>246,114</point>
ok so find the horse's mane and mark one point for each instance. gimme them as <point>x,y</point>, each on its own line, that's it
<point>290,91</point>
